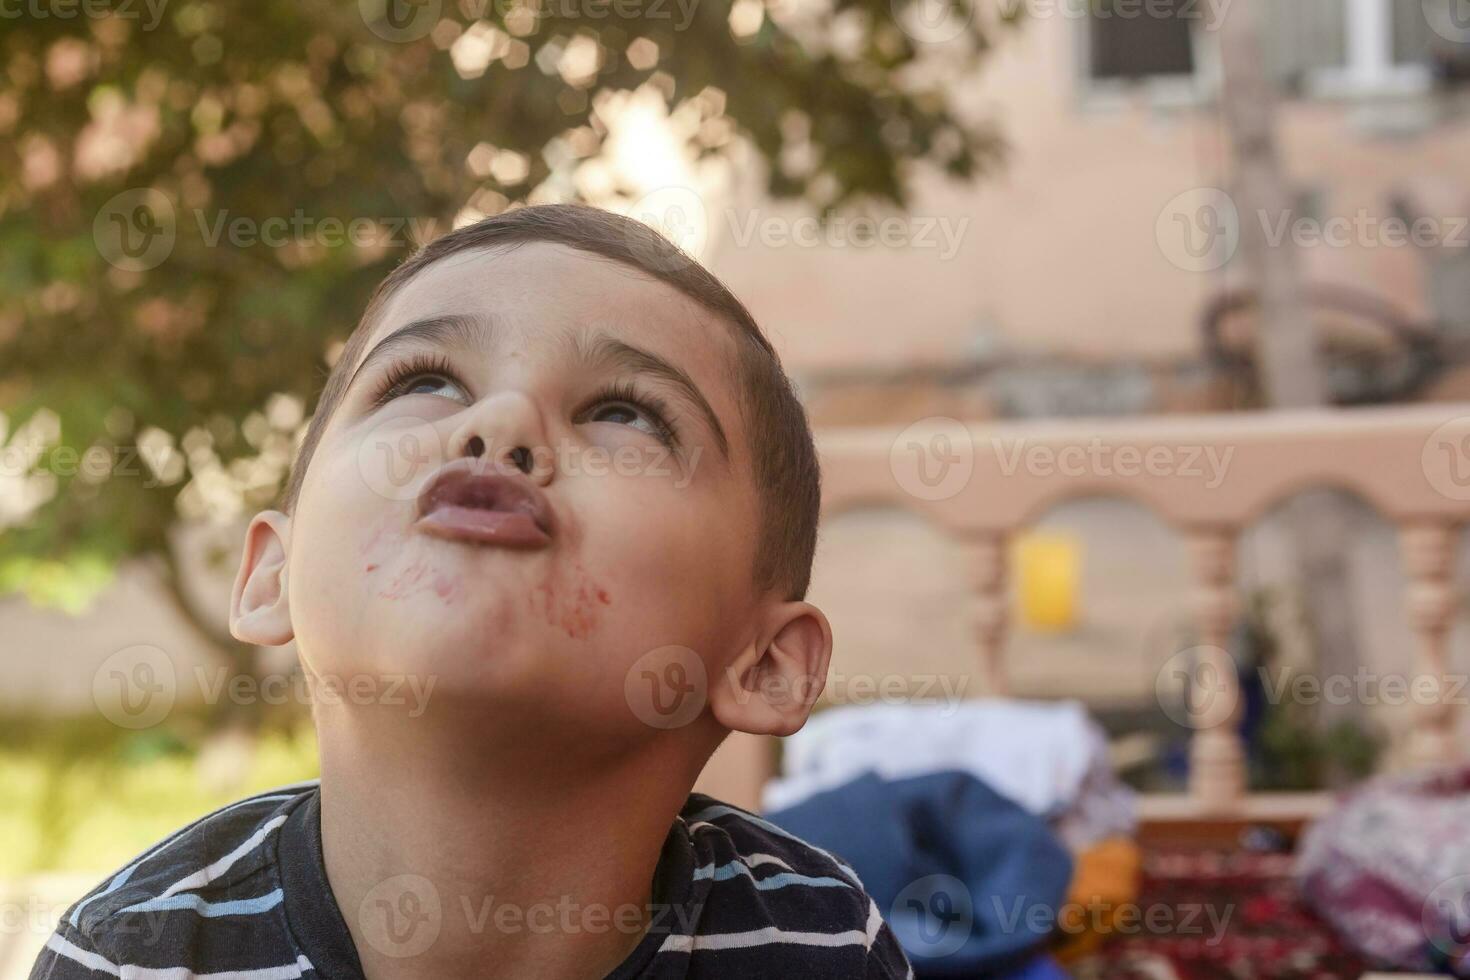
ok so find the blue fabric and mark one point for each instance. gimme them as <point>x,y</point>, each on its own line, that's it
<point>969,881</point>
<point>1039,967</point>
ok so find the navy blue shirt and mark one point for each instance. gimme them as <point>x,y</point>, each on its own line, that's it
<point>243,894</point>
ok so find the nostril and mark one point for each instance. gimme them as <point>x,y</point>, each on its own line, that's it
<point>520,458</point>
<point>475,447</point>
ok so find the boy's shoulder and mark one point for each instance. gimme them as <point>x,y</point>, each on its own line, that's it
<point>221,864</point>
<point>218,852</point>
<point>758,885</point>
<point>723,829</point>
<point>756,892</point>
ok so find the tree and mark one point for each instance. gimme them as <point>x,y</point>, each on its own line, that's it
<point>1287,354</point>
<point>197,197</point>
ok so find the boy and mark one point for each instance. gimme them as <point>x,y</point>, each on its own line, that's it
<point>558,473</point>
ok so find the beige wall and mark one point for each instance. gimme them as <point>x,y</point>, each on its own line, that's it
<point>1060,256</point>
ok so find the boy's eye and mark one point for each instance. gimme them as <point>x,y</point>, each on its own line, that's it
<point>413,381</point>
<point>622,413</point>
<point>428,384</point>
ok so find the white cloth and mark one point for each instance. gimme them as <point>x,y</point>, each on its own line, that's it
<point>1049,757</point>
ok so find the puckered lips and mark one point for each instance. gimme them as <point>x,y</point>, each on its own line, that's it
<point>473,501</point>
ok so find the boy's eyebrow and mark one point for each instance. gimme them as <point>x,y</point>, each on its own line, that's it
<point>603,350</point>
<point>450,330</point>
<point>598,350</point>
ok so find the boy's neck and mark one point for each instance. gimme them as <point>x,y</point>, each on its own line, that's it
<point>536,859</point>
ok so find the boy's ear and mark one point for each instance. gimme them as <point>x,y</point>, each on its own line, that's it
<point>771,685</point>
<point>260,611</point>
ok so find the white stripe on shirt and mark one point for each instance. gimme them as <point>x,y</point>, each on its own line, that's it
<point>207,874</point>
<point>59,945</point>
<point>769,936</point>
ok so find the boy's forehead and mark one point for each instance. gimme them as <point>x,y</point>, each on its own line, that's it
<point>541,290</point>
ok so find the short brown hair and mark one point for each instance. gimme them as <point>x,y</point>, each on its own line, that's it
<point>786,474</point>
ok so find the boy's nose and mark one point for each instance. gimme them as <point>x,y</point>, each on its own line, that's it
<point>505,430</point>
<point>519,456</point>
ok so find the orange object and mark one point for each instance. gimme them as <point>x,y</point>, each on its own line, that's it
<point>1104,879</point>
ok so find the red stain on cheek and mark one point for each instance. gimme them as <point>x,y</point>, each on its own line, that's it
<point>577,613</point>
<point>385,545</point>
<point>444,587</point>
<point>417,578</point>
<point>372,542</point>
<point>406,582</point>
<point>375,546</point>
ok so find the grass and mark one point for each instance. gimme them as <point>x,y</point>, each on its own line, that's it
<point>86,796</point>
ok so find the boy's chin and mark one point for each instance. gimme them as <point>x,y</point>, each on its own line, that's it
<point>495,649</point>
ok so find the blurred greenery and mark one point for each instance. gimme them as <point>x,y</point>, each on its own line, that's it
<point>79,795</point>
<point>133,392</point>
<point>1291,747</point>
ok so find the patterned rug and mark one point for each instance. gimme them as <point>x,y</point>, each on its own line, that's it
<point>1218,915</point>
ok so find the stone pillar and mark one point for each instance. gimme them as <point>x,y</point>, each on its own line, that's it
<point>988,580</point>
<point>1427,549</point>
<point>1217,772</point>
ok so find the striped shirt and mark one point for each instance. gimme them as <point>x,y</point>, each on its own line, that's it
<point>242,894</point>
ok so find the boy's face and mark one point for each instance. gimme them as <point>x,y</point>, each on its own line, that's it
<point>635,529</point>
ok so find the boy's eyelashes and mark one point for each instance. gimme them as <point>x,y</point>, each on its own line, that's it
<point>621,397</point>
<point>403,377</point>
<point>618,402</point>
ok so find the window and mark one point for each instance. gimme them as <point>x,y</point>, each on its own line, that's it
<point>1134,47</point>
<point>1349,47</point>
<point>1314,47</point>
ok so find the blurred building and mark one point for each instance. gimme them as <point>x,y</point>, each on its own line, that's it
<point>1077,286</point>
<point>1073,281</point>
